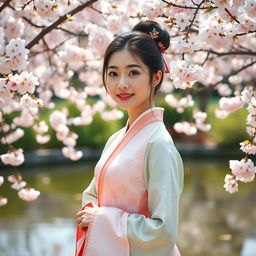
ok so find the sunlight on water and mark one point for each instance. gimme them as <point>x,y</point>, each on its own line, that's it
<point>212,222</point>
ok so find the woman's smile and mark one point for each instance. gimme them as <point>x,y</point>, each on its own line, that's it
<point>125,96</point>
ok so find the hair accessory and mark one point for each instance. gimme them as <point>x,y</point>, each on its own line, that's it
<point>167,70</point>
<point>162,47</point>
<point>154,35</point>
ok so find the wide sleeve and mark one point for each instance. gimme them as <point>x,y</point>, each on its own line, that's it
<point>163,170</point>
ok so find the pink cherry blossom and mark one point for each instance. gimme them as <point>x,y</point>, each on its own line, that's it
<point>171,100</point>
<point>41,127</point>
<point>13,28</point>
<point>14,158</point>
<point>46,8</point>
<point>1,180</point>
<point>183,45</point>
<point>230,104</point>
<point>185,127</point>
<point>26,119</point>
<point>57,118</point>
<point>203,127</point>
<point>99,106</point>
<point>221,114</point>
<point>112,115</point>
<point>46,96</point>
<point>85,119</point>
<point>231,184</point>
<point>30,101</point>
<point>224,90</point>
<point>70,140</point>
<point>248,147</point>
<point>182,20</point>
<point>28,194</point>
<point>42,139</point>
<point>16,56</point>
<point>200,116</point>
<point>251,120</point>
<point>75,56</point>
<point>251,131</point>
<point>244,170</point>
<point>3,201</point>
<point>99,39</point>
<point>12,137</point>
<point>250,8</point>
<point>152,8</point>
<point>62,132</point>
<point>248,94</point>
<point>13,178</point>
<point>18,185</point>
<point>71,153</point>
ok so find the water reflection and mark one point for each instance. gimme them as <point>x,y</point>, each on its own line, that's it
<point>212,222</point>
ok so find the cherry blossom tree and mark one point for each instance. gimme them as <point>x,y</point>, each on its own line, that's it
<point>45,43</point>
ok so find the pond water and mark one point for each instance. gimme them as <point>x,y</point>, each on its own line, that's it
<point>212,222</point>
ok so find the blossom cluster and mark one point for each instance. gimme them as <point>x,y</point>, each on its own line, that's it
<point>27,194</point>
<point>58,121</point>
<point>184,75</point>
<point>14,56</point>
<point>192,128</point>
<point>243,170</point>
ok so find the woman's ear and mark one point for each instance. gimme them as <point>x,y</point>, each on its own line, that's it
<point>157,78</point>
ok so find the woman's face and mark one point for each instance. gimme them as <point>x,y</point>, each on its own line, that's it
<point>129,75</point>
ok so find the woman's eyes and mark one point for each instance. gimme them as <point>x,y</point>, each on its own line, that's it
<point>132,73</point>
<point>112,73</point>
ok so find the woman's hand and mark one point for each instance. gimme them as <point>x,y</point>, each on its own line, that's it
<point>84,216</point>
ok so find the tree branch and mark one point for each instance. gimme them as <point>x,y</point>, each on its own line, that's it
<point>235,72</point>
<point>58,22</point>
<point>6,3</point>
<point>250,31</point>
<point>220,54</point>
<point>186,7</point>
<point>232,16</point>
<point>33,54</point>
<point>194,17</point>
<point>223,80</point>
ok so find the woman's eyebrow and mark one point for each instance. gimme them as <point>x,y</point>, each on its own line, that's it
<point>128,66</point>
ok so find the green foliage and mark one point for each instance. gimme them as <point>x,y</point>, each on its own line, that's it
<point>228,132</point>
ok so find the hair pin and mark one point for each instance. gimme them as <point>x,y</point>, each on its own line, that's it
<point>154,33</point>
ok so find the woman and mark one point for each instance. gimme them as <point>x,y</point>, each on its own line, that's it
<point>131,206</point>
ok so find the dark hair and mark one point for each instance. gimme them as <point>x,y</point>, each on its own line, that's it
<point>139,43</point>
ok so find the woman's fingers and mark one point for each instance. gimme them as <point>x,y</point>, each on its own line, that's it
<point>83,219</point>
<point>85,210</point>
<point>84,216</point>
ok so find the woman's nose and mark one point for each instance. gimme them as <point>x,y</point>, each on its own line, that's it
<point>123,82</point>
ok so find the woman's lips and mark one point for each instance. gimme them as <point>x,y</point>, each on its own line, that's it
<point>125,96</point>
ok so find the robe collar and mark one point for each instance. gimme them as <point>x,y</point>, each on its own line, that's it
<point>151,111</point>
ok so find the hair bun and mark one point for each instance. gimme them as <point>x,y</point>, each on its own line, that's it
<point>149,26</point>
